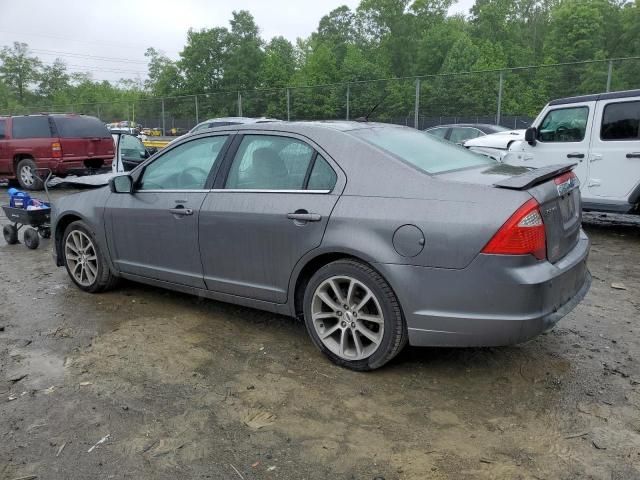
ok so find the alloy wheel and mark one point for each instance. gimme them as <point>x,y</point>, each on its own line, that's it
<point>26,175</point>
<point>81,257</point>
<point>347,317</point>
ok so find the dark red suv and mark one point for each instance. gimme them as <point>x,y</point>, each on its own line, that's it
<point>65,143</point>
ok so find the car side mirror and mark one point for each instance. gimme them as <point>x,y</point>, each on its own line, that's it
<point>144,154</point>
<point>121,184</point>
<point>530,136</point>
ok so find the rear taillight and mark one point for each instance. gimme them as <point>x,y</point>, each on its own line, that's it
<point>522,234</point>
<point>565,177</point>
<point>56,150</point>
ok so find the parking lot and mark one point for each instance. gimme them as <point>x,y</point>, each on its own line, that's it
<point>145,382</point>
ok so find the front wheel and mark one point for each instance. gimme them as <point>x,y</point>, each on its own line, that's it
<point>353,316</point>
<point>84,261</point>
<point>31,239</point>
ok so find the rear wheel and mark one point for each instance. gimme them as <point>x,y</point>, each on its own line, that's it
<point>26,175</point>
<point>10,233</point>
<point>353,316</point>
<point>31,238</point>
<point>84,261</point>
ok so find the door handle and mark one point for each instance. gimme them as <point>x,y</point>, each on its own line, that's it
<point>575,155</point>
<point>181,211</point>
<point>633,155</point>
<point>304,216</point>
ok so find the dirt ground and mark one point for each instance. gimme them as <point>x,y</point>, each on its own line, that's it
<point>179,387</point>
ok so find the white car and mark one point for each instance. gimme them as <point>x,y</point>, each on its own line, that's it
<point>495,145</point>
<point>601,135</point>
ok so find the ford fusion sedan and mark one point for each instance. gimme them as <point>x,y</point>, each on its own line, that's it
<point>374,235</point>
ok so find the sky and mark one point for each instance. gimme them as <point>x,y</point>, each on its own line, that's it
<point>109,38</point>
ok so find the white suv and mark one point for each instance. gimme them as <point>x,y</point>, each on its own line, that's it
<point>601,134</point>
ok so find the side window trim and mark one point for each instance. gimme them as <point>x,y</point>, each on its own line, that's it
<point>586,129</point>
<point>307,175</point>
<point>604,108</point>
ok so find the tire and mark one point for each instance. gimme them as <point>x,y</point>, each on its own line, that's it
<point>369,332</point>
<point>25,173</point>
<point>31,238</point>
<point>45,232</point>
<point>90,271</point>
<point>10,233</point>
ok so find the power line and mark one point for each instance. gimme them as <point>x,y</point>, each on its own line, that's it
<point>128,45</point>
<point>82,55</point>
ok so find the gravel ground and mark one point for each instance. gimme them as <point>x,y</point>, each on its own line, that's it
<point>146,383</point>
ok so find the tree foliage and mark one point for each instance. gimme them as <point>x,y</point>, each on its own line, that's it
<point>379,39</point>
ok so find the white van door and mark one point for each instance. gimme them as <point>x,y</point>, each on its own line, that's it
<point>614,161</point>
<point>563,137</point>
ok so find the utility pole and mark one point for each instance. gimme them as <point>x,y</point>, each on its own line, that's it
<point>348,99</point>
<point>416,113</point>
<point>500,85</point>
<point>164,133</point>
<point>288,105</point>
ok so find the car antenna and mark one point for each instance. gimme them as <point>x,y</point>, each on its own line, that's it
<point>366,117</point>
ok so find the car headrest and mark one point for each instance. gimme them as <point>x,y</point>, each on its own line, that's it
<point>267,163</point>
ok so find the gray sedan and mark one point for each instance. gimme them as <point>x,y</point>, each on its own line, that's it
<point>375,235</point>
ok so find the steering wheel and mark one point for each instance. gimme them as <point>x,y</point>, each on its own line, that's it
<point>562,132</point>
<point>191,176</point>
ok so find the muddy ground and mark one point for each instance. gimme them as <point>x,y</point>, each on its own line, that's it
<point>180,387</point>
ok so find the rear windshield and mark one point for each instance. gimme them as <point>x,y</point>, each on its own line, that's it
<point>81,127</point>
<point>425,152</point>
<point>31,127</point>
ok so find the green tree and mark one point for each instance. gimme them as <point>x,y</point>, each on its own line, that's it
<point>54,80</point>
<point>19,70</point>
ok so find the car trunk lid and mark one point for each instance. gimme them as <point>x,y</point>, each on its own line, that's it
<point>555,188</point>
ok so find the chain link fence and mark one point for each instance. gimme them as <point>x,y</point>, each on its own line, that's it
<point>509,97</point>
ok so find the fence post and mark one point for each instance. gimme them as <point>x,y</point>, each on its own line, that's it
<point>500,85</point>
<point>288,105</point>
<point>609,75</point>
<point>416,120</point>
<point>195,97</point>
<point>348,95</point>
<point>98,106</point>
<point>164,133</point>
<point>239,104</point>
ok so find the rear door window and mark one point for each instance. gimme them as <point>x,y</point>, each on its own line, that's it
<point>460,134</point>
<point>80,127</point>
<point>31,127</point>
<point>266,162</point>
<point>2,123</point>
<point>438,132</point>
<point>621,121</point>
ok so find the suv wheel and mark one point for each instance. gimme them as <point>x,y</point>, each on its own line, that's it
<point>353,316</point>
<point>27,176</point>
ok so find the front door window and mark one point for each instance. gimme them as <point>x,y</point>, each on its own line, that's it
<point>185,167</point>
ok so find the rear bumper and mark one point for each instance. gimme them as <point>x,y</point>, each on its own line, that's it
<point>80,167</point>
<point>497,300</point>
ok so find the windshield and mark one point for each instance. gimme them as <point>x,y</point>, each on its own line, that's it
<point>425,152</point>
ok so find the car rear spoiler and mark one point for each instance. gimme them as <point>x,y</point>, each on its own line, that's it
<point>534,177</point>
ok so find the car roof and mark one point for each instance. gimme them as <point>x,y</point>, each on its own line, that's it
<point>301,127</point>
<point>479,126</point>
<point>596,97</point>
<point>238,119</point>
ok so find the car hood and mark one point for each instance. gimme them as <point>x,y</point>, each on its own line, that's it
<point>496,140</point>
